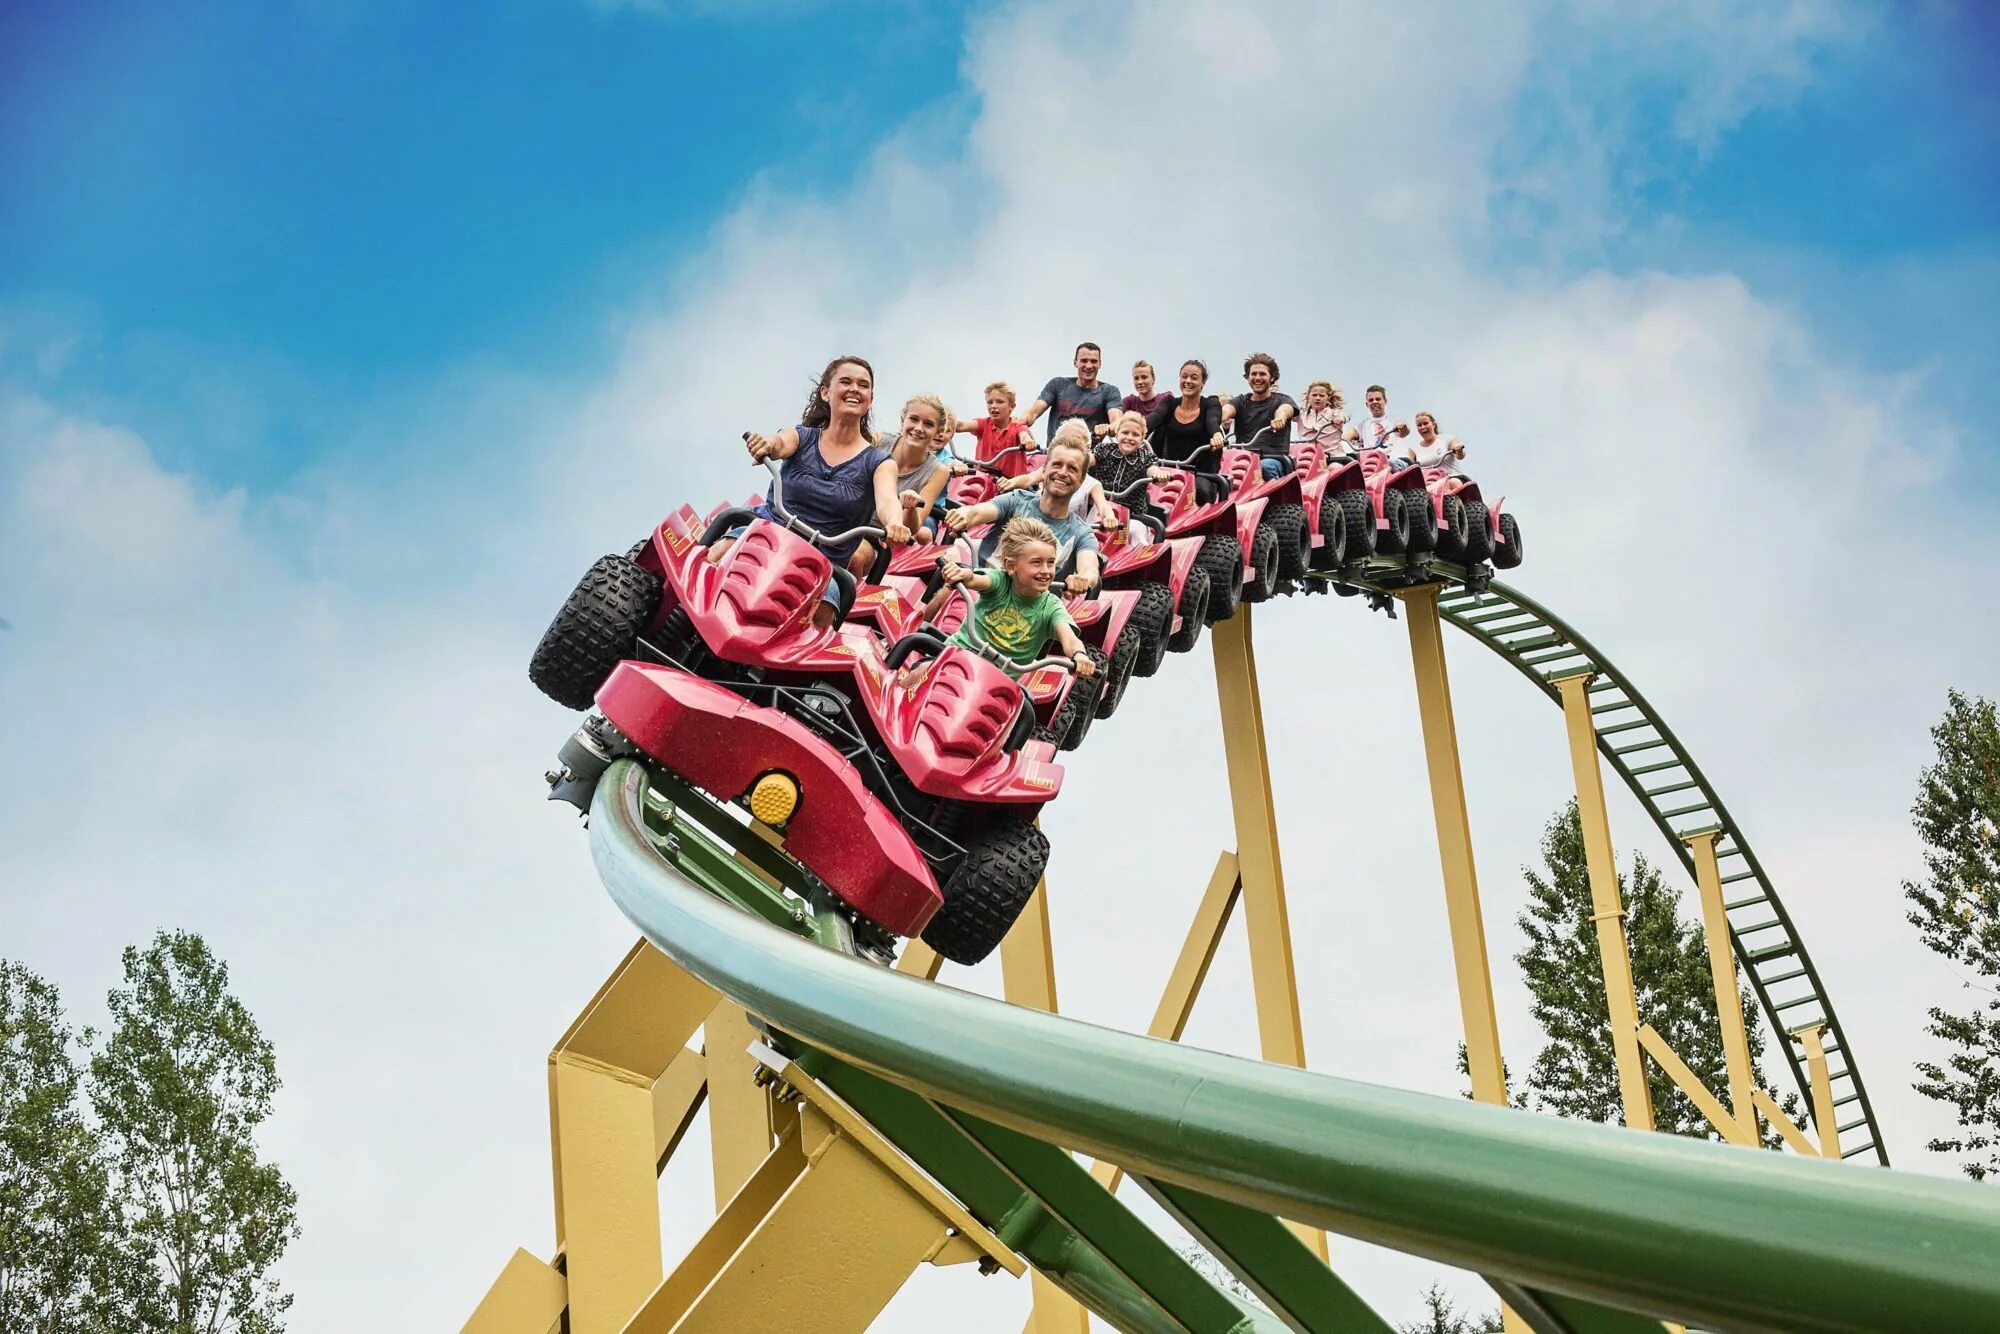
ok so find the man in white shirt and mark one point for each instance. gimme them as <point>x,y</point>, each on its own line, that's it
<point>1376,429</point>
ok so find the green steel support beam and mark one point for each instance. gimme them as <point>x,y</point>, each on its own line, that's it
<point>1270,1260</point>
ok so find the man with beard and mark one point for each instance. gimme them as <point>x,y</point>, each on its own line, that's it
<point>1063,472</point>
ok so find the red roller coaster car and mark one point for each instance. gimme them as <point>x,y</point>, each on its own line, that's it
<point>909,791</point>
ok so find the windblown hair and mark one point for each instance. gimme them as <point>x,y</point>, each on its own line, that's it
<point>1332,392</point>
<point>819,412</point>
<point>1261,359</point>
<point>1021,531</point>
<point>1003,388</point>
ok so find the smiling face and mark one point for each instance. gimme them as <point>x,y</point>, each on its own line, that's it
<point>1142,381</point>
<point>1088,361</point>
<point>1131,433</point>
<point>1259,377</point>
<point>1426,426</point>
<point>1032,569</point>
<point>1063,471</point>
<point>1193,378</point>
<point>1378,402</point>
<point>920,429</point>
<point>849,391</point>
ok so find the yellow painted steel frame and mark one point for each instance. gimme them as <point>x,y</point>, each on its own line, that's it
<point>1461,878</point>
<point>1606,903</point>
<point>1722,965</point>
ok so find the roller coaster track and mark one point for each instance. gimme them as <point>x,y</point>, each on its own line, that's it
<point>1636,742</point>
<point>1577,1227</point>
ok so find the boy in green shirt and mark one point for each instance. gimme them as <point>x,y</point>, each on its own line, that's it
<point>1016,613</point>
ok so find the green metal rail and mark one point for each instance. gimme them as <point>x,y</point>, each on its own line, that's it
<point>1657,768</point>
<point>1580,1227</point>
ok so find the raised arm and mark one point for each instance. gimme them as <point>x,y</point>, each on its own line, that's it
<point>1021,482</point>
<point>970,516</point>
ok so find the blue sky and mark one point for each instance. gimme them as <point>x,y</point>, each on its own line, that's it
<point>337,337</point>
<point>259,218</point>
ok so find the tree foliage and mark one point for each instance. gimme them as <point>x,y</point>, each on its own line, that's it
<point>61,1255</point>
<point>1575,1073</point>
<point>180,1087</point>
<point>1441,1317</point>
<point>1956,908</point>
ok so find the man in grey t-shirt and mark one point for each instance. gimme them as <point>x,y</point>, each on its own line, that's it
<point>1082,395</point>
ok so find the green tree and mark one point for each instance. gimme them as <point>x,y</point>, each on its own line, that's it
<point>1956,907</point>
<point>180,1088</point>
<point>1575,1074</point>
<point>1441,1317</point>
<point>61,1262</point>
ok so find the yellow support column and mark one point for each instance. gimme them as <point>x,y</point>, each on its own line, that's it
<point>1813,1036</point>
<point>1607,905</point>
<point>1722,967</point>
<point>604,1135</point>
<point>1028,978</point>
<point>740,1131</point>
<point>1454,835</point>
<point>1267,922</point>
<point>527,1298</point>
<point>1461,880</point>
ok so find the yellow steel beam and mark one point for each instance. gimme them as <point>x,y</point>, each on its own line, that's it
<point>740,1121</point>
<point>1813,1036</point>
<point>1273,975</point>
<point>527,1298</point>
<point>1791,1134</point>
<point>1722,967</point>
<point>677,1096</point>
<point>1727,1125</point>
<point>1461,878</point>
<point>1190,971</point>
<point>1028,978</point>
<point>1454,835</point>
<point>1606,904</point>
<point>920,960</point>
<point>823,1242</point>
<point>604,1137</point>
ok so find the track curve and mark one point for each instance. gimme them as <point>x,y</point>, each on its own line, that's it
<point>1579,1220</point>
<point>1642,750</point>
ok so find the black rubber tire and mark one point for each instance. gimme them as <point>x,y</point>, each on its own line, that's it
<point>1194,612</point>
<point>1393,540</point>
<point>1508,554</point>
<point>1294,539</point>
<point>1358,512</point>
<point>1478,532</point>
<point>1332,548</point>
<point>1155,614</point>
<point>1078,709</point>
<point>1452,533</point>
<point>987,890</point>
<point>1222,557</point>
<point>674,637</point>
<point>1124,658</point>
<point>1263,560</point>
<point>597,628</point>
<point>1423,523</point>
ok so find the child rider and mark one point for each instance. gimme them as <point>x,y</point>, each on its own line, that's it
<point>1017,613</point>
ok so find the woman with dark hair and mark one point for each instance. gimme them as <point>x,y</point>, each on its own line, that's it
<point>835,476</point>
<point>1183,427</point>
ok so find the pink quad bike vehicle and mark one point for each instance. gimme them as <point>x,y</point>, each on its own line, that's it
<point>1489,532</point>
<point>1272,513</point>
<point>1405,521</point>
<point>1164,571</point>
<point>1339,509</point>
<point>910,795</point>
<point>1221,555</point>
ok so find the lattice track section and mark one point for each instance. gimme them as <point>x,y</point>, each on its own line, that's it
<point>1658,770</point>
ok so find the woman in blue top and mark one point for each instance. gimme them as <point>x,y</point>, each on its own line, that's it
<point>835,476</point>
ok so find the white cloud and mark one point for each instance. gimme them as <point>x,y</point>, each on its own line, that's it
<point>242,704</point>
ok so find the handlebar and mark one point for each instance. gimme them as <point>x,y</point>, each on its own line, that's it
<point>994,655</point>
<point>991,465</point>
<point>869,531</point>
